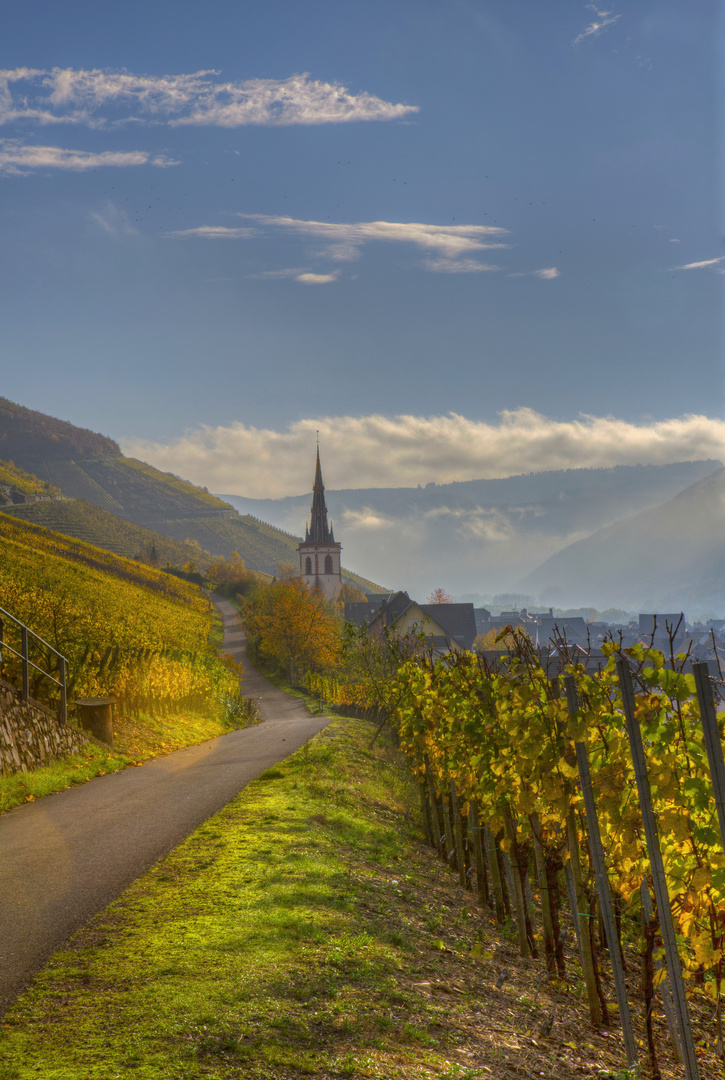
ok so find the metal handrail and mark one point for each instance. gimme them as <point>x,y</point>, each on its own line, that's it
<point>25,634</point>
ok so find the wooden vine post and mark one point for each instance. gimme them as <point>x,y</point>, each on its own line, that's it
<point>602,880</point>
<point>449,840</point>
<point>494,866</point>
<point>518,889</point>
<point>458,836</point>
<point>550,935</point>
<point>435,812</point>
<point>476,834</point>
<point>582,916</point>
<point>579,903</point>
<point>659,879</point>
<point>713,743</point>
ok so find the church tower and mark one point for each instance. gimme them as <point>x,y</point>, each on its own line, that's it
<point>319,552</point>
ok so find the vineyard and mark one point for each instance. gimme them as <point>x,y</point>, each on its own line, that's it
<point>128,630</point>
<point>84,521</point>
<point>532,787</point>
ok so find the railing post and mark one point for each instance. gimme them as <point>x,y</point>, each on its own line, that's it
<point>24,650</point>
<point>2,633</point>
<point>63,697</point>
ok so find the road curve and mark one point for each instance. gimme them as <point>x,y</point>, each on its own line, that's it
<point>66,856</point>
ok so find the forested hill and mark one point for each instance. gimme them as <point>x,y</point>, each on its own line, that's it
<point>28,437</point>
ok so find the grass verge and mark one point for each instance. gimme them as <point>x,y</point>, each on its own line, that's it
<point>135,741</point>
<point>304,931</point>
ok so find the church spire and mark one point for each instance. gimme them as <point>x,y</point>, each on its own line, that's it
<point>319,531</point>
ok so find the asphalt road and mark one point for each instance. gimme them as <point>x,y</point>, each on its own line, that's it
<point>66,856</point>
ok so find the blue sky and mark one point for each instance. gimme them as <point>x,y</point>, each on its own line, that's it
<point>225,225</point>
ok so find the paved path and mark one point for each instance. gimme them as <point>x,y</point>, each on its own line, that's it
<point>66,856</point>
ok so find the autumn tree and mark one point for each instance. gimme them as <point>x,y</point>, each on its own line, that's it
<point>499,639</point>
<point>229,577</point>
<point>439,596</point>
<point>292,627</point>
<point>351,594</point>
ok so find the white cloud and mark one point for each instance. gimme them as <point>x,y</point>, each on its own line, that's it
<point>379,451</point>
<point>601,22</point>
<point>547,273</point>
<point>316,279</point>
<point>367,518</point>
<point>458,266</point>
<point>18,160</point>
<point>700,265</point>
<point>449,240</point>
<point>213,232</point>
<point>100,97</point>
<point>452,245</point>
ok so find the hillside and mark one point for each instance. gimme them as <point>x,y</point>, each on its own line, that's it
<point>668,558</point>
<point>18,486</point>
<point>479,535</point>
<point>27,437</point>
<point>83,521</point>
<point>128,630</point>
<point>90,470</point>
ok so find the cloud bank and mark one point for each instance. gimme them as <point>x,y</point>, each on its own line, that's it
<point>99,98</point>
<point>403,451</point>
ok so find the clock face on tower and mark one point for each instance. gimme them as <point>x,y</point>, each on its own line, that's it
<point>319,553</point>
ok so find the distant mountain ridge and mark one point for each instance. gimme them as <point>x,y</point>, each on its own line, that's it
<point>669,557</point>
<point>479,536</point>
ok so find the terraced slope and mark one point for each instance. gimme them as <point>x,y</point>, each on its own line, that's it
<point>83,521</point>
<point>132,489</point>
<point>18,486</point>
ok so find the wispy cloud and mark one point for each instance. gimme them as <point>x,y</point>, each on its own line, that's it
<point>19,160</point>
<point>308,278</point>
<point>458,266</point>
<point>380,451</point>
<point>299,273</point>
<point>112,222</point>
<point>602,20</point>
<point>100,97</point>
<point>214,232</point>
<point>452,245</point>
<point>701,265</point>
<point>547,273</point>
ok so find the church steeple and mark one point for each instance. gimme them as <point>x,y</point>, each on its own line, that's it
<point>319,552</point>
<point>319,532</point>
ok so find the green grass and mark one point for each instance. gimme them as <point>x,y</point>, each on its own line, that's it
<point>261,965</point>
<point>304,931</point>
<point>75,769</point>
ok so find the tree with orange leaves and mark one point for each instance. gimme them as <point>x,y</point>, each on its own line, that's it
<point>439,596</point>
<point>292,627</point>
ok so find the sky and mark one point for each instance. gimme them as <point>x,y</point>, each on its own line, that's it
<point>457,238</point>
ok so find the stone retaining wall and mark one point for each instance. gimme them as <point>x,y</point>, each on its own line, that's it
<point>31,736</point>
